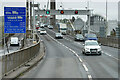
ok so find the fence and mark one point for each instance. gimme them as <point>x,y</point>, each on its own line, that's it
<point>12,61</point>
<point>110,41</point>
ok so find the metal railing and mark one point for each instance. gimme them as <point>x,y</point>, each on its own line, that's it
<point>109,41</point>
<point>12,61</point>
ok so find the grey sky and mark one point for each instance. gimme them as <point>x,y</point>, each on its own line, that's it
<point>98,5</point>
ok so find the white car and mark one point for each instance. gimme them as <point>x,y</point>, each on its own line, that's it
<point>42,25</point>
<point>91,47</point>
<point>58,35</point>
<point>43,31</point>
<point>14,41</point>
<point>50,27</point>
<point>39,30</point>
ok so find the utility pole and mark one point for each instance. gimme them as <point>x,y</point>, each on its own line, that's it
<point>31,28</point>
<point>106,19</point>
<point>33,22</point>
<point>88,17</point>
<point>31,14</point>
<point>88,23</point>
<point>27,20</point>
<point>53,7</point>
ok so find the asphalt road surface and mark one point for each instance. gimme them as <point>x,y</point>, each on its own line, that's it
<point>64,59</point>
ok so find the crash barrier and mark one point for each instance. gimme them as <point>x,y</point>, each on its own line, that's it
<point>11,62</point>
<point>110,41</point>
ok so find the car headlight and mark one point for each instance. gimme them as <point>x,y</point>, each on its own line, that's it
<point>87,49</point>
<point>99,49</point>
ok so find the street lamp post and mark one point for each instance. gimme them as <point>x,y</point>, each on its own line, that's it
<point>33,22</point>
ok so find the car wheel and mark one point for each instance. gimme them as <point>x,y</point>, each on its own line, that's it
<point>83,52</point>
<point>100,54</point>
<point>86,54</point>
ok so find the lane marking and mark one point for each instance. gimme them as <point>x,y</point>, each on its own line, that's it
<point>83,64</point>
<point>86,69</point>
<point>80,60</point>
<point>110,55</point>
<point>90,77</point>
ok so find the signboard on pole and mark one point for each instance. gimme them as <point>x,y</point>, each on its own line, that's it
<point>14,20</point>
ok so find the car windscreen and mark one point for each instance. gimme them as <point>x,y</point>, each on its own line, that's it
<point>50,26</point>
<point>79,35</point>
<point>63,28</point>
<point>91,36</point>
<point>91,43</point>
<point>58,34</point>
<point>42,29</point>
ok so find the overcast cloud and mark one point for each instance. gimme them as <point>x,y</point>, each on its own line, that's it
<point>99,6</point>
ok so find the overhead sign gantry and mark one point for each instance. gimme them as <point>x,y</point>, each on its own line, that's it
<point>62,12</point>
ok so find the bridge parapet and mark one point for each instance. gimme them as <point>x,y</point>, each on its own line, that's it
<point>15,60</point>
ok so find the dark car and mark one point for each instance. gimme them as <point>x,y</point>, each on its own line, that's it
<point>91,37</point>
<point>45,25</point>
<point>79,37</point>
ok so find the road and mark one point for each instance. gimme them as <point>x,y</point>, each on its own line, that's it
<point>11,48</point>
<point>64,59</point>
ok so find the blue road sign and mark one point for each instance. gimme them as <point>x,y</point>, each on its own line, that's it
<point>14,20</point>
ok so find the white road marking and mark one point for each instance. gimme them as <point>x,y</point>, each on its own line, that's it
<point>85,67</point>
<point>90,77</point>
<point>80,60</point>
<point>73,51</point>
<point>110,55</point>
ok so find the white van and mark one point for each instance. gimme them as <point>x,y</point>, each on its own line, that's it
<point>14,41</point>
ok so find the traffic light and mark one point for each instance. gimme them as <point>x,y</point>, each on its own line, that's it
<point>76,12</point>
<point>62,12</point>
<point>47,12</point>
